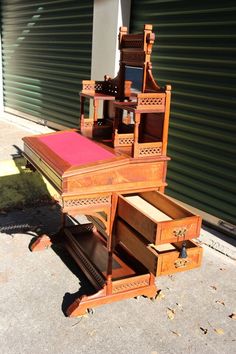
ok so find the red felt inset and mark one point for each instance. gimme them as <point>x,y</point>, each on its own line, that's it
<point>75,148</point>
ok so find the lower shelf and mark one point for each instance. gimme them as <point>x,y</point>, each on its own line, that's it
<point>114,280</point>
<point>89,248</point>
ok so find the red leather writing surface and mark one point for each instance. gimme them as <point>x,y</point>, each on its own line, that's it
<point>74,148</point>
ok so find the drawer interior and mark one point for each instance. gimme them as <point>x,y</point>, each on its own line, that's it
<point>157,206</point>
<point>154,212</point>
<point>157,217</point>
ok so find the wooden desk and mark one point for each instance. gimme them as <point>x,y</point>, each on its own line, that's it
<point>89,176</point>
<point>93,180</point>
<point>136,232</point>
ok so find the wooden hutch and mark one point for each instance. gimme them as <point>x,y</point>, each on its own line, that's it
<point>114,171</point>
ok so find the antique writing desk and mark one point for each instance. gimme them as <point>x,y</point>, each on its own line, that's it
<point>114,171</point>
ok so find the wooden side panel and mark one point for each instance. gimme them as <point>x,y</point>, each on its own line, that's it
<point>167,205</point>
<point>136,246</point>
<point>135,218</point>
<point>132,176</point>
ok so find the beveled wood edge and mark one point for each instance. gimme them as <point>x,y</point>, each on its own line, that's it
<point>96,166</point>
<point>42,151</point>
<point>121,159</point>
<point>115,193</point>
<point>64,168</point>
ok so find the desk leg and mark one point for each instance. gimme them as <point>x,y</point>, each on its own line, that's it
<point>82,305</point>
<point>41,243</point>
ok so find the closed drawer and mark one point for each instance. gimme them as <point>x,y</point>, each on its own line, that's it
<point>163,259</point>
<point>158,218</point>
<point>169,262</point>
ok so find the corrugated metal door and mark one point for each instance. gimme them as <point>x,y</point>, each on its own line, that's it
<point>195,53</point>
<point>46,49</point>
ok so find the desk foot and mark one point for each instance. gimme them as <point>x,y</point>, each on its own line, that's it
<point>40,244</point>
<point>85,304</point>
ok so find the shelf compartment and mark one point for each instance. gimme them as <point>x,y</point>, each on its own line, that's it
<point>88,248</point>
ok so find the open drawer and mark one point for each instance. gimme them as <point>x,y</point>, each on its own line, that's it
<point>158,218</point>
<point>161,259</point>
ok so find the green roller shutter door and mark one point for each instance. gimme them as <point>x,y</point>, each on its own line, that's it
<point>46,48</point>
<point>195,52</point>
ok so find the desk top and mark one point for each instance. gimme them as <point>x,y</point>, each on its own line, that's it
<point>69,150</point>
<point>75,148</point>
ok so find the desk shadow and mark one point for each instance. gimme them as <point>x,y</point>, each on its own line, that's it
<point>34,221</point>
<point>85,286</point>
<point>46,220</point>
<point>26,207</point>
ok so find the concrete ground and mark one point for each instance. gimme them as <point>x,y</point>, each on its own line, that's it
<point>192,314</point>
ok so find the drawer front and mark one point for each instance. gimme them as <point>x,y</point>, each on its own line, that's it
<point>158,262</point>
<point>169,263</point>
<point>178,230</point>
<point>178,224</point>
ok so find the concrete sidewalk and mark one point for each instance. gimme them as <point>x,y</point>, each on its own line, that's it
<point>193,313</point>
<point>12,130</point>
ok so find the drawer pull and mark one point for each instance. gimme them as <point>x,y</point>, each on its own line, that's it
<point>181,263</point>
<point>183,252</point>
<point>180,232</point>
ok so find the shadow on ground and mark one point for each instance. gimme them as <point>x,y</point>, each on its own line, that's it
<point>45,220</point>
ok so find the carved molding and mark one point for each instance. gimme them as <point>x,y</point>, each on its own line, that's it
<point>87,123</point>
<point>125,141</point>
<point>150,101</point>
<point>149,151</point>
<point>84,202</point>
<point>97,86</point>
<point>88,265</point>
<point>128,286</point>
